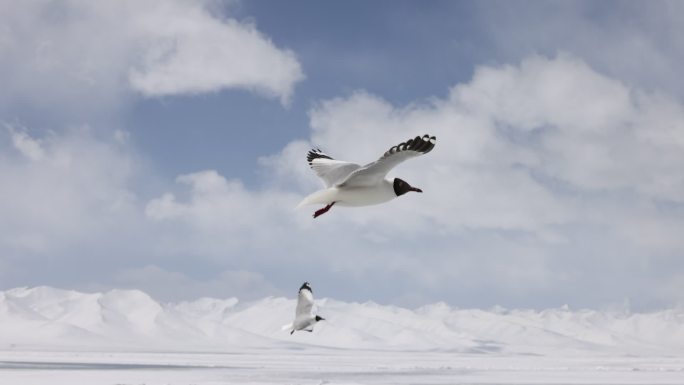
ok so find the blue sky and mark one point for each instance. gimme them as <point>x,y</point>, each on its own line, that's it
<point>161,145</point>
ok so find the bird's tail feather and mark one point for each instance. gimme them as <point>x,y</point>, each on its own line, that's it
<point>287,327</point>
<point>325,196</point>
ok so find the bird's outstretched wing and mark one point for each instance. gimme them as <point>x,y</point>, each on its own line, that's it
<point>305,302</point>
<point>331,171</point>
<point>372,173</point>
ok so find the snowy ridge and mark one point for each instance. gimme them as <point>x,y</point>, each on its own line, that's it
<point>48,318</point>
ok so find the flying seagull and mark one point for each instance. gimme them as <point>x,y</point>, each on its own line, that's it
<point>304,317</point>
<point>349,184</point>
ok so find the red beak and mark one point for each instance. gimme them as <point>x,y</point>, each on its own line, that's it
<point>416,189</point>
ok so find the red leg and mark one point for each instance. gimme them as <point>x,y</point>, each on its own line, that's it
<point>323,210</point>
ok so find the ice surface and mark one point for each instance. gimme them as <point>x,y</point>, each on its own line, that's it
<point>126,337</point>
<point>329,366</point>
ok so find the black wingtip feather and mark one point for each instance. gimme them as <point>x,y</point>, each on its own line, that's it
<point>316,154</point>
<point>420,144</point>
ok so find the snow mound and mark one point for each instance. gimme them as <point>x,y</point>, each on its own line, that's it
<point>49,318</point>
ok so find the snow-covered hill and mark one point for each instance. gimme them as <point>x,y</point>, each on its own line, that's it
<point>48,318</point>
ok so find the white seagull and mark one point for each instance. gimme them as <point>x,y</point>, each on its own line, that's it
<point>349,184</point>
<point>304,317</point>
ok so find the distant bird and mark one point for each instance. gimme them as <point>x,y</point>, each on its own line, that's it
<point>304,317</point>
<point>349,184</point>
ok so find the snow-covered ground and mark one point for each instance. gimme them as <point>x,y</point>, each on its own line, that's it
<point>52,336</point>
<point>323,366</point>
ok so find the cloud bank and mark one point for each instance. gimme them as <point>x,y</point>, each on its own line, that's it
<point>68,52</point>
<point>548,177</point>
<point>551,182</point>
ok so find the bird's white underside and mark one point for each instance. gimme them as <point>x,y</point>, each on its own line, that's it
<point>357,196</point>
<point>304,317</point>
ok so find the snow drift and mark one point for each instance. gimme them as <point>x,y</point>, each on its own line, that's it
<point>48,318</point>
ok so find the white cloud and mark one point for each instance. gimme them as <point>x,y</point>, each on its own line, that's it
<point>62,189</point>
<point>216,201</point>
<point>197,53</point>
<point>563,92</point>
<point>85,55</point>
<point>287,170</point>
<point>28,146</point>
<point>590,130</point>
<point>221,215</point>
<point>633,41</point>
